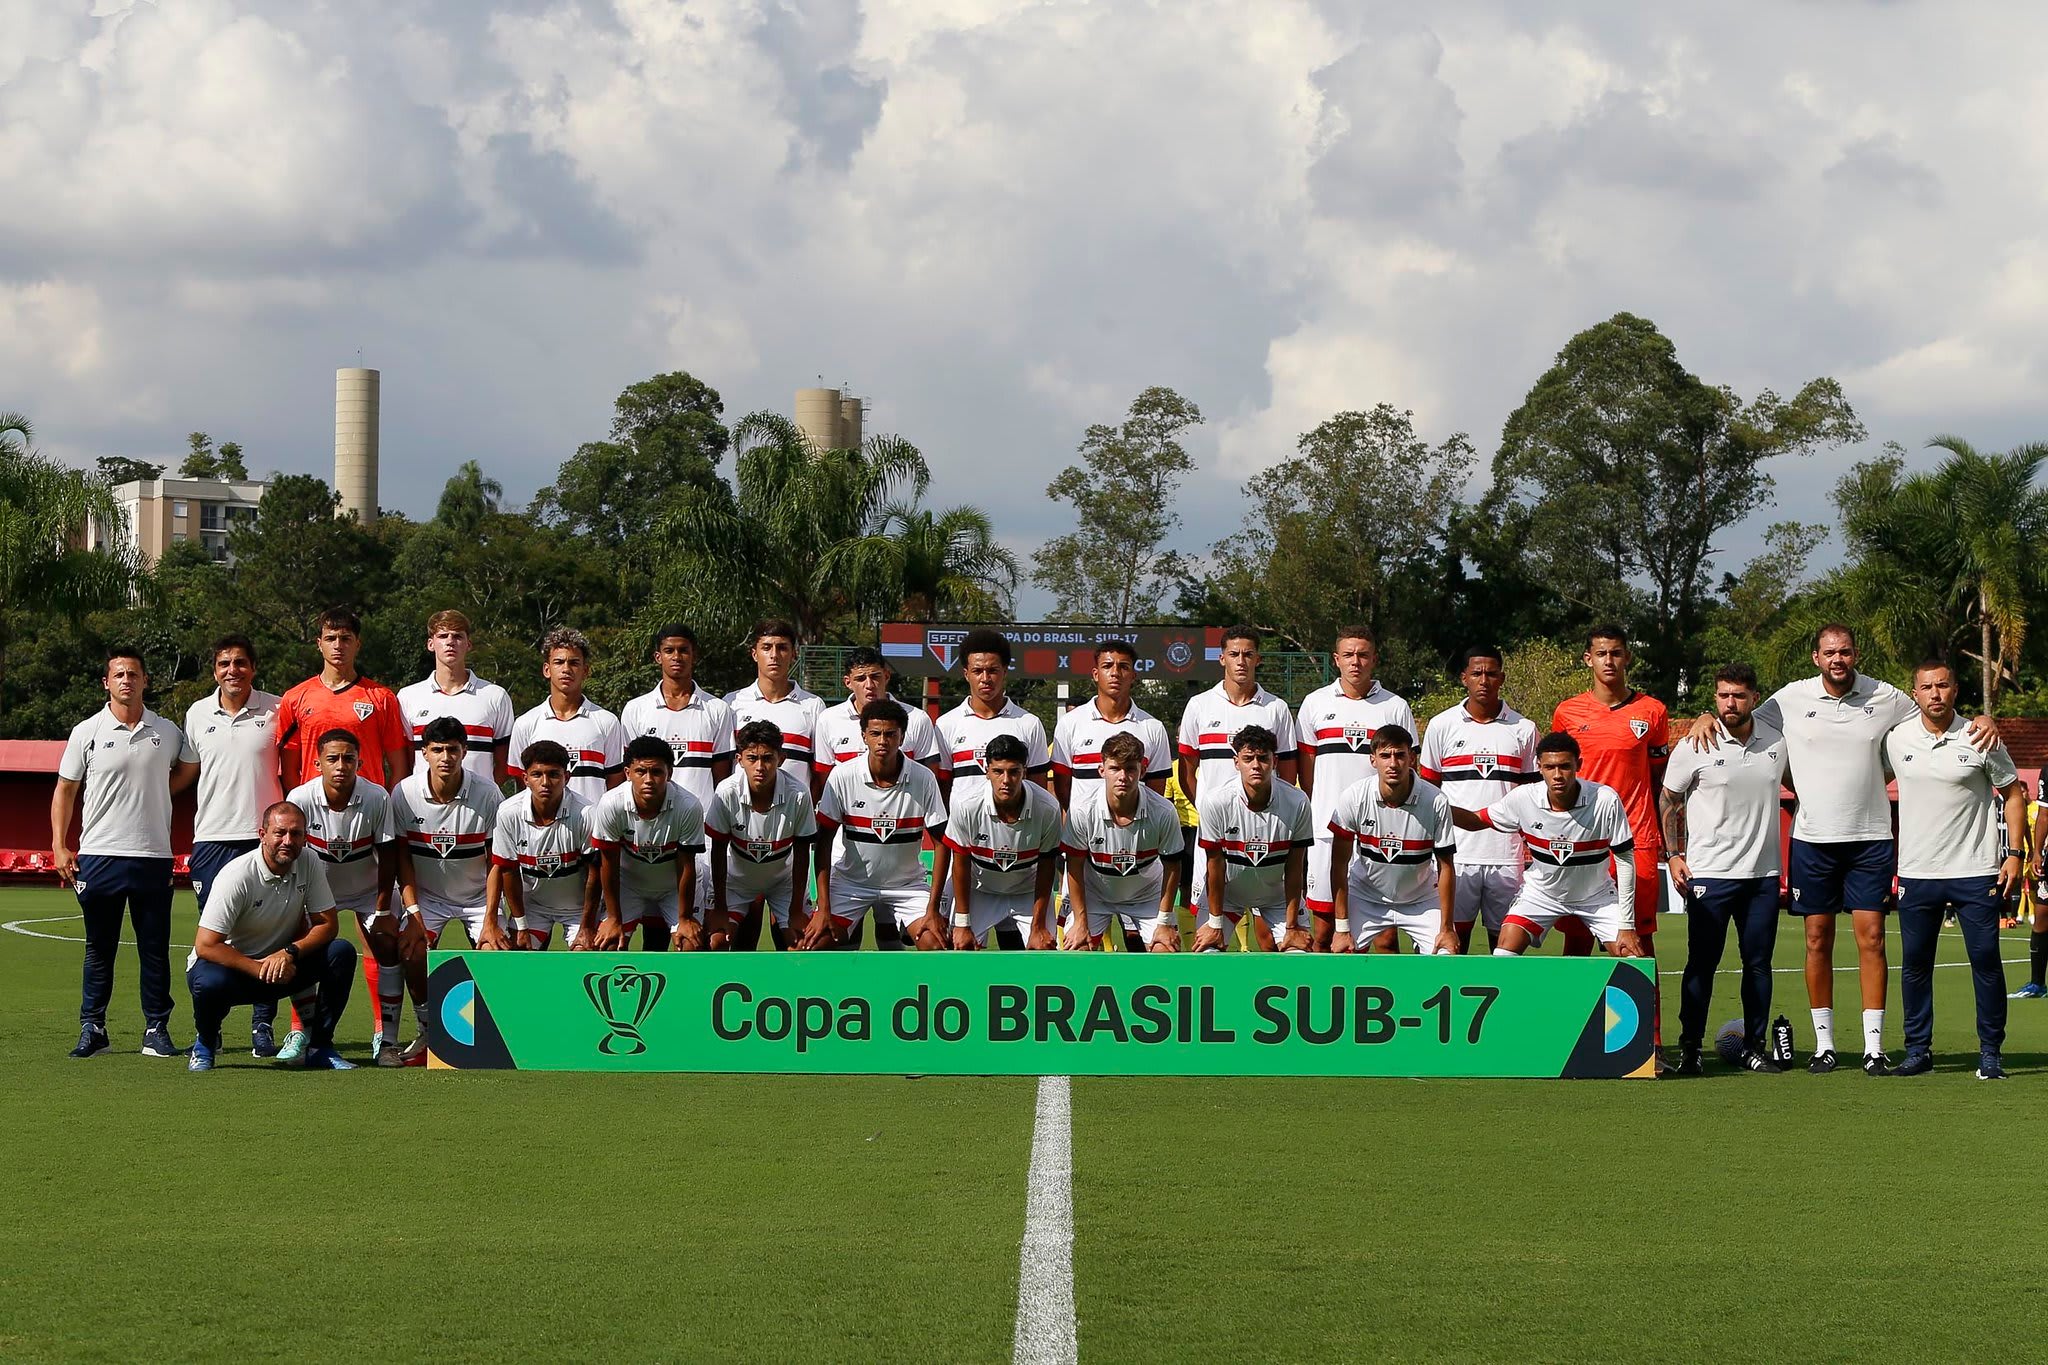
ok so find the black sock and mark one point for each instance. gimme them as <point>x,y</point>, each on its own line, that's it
<point>2037,957</point>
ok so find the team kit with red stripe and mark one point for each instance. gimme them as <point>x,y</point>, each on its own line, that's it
<point>759,844</point>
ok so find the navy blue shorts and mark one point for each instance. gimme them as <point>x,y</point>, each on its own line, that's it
<point>1827,879</point>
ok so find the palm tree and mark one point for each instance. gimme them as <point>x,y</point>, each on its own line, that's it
<point>468,498</point>
<point>791,536</point>
<point>944,565</point>
<point>1949,555</point>
<point>46,510</point>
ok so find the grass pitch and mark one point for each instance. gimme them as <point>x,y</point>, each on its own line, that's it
<point>151,1214</point>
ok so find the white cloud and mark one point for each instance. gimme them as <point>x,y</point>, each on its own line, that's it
<point>1000,219</point>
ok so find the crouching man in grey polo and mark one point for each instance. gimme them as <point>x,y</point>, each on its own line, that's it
<point>268,932</point>
<point>1952,857</point>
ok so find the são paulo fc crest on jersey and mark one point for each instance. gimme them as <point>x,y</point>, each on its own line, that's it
<point>339,849</point>
<point>1639,728</point>
<point>1483,763</point>
<point>758,849</point>
<point>364,710</point>
<point>1123,860</point>
<point>1357,733</point>
<point>1390,846</point>
<point>884,826</point>
<point>1255,850</point>
<point>443,841</point>
<point>981,756</point>
<point>546,864</point>
<point>1004,858</point>
<point>1560,847</point>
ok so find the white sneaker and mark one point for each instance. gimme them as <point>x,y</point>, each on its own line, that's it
<point>293,1053</point>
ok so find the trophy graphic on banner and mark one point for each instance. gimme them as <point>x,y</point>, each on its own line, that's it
<point>623,998</point>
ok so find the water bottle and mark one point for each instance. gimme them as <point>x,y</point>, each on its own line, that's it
<point>1781,1041</point>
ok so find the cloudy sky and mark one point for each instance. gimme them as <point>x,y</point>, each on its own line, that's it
<point>999,219</point>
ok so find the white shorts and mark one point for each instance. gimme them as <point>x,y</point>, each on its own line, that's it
<point>435,914</point>
<point>1485,891</point>
<point>987,910</point>
<point>1537,913</point>
<point>1145,918</point>
<point>1275,917</point>
<point>1318,895</point>
<point>738,902</point>
<point>1421,921</point>
<point>635,907</point>
<point>543,921</point>
<point>851,903</point>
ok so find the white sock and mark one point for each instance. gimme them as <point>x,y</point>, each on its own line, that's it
<point>390,999</point>
<point>1824,1029</point>
<point>1502,952</point>
<point>1873,1031</point>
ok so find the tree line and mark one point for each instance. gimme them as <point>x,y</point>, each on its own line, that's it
<point>1611,488</point>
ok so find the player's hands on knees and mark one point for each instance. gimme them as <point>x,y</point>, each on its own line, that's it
<point>1041,939</point>
<point>493,939</point>
<point>1340,942</point>
<point>1297,940</point>
<point>963,939</point>
<point>689,936</point>
<point>1076,940</point>
<point>1208,940</point>
<point>1262,934</point>
<point>1626,944</point>
<point>1448,943</point>
<point>818,933</point>
<point>1166,939</point>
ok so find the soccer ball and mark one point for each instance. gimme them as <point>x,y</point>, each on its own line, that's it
<point>1728,1041</point>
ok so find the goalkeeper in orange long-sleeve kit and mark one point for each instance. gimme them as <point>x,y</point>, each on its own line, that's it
<point>1624,743</point>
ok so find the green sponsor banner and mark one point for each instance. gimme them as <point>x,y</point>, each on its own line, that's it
<point>1082,1014</point>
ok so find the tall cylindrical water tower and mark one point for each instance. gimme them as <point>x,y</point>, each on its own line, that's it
<point>355,442</point>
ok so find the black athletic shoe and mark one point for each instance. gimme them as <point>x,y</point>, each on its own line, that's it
<point>1877,1064</point>
<point>1688,1064</point>
<point>1752,1060</point>
<point>262,1041</point>
<point>92,1041</point>
<point>1821,1063</point>
<point>1916,1064</point>
<point>156,1042</point>
<point>1989,1067</point>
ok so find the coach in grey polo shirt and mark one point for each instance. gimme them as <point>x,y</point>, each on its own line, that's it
<point>268,931</point>
<point>1952,856</point>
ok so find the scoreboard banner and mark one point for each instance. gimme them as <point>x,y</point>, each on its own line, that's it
<point>1078,1014</point>
<point>1055,649</point>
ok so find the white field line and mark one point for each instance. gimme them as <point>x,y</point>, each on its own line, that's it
<point>1045,1263</point>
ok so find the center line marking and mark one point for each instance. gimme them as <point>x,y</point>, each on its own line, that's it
<point>1045,1264</point>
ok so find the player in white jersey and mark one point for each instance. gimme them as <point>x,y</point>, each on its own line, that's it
<point>1391,849</point>
<point>1122,844</point>
<point>348,828</point>
<point>1573,830</point>
<point>1213,717</point>
<point>1077,737</point>
<point>839,738</point>
<point>1004,839</point>
<point>592,735</point>
<point>881,809</point>
<point>1255,834</point>
<point>443,816</point>
<point>452,689</point>
<point>541,868</point>
<point>647,832</point>
<point>761,825</point>
<point>1337,724</point>
<point>964,731</point>
<point>1478,751</point>
<point>773,697</point>
<point>698,728</point>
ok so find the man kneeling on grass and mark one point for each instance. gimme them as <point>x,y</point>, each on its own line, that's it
<point>268,932</point>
